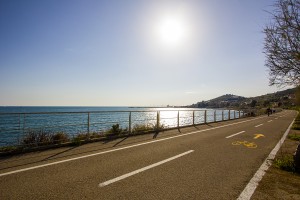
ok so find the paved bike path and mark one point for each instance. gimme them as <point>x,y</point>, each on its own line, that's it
<point>214,168</point>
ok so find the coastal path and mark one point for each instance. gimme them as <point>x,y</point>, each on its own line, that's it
<point>211,161</point>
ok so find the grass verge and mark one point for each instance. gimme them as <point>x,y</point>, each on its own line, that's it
<point>41,139</point>
<point>285,162</point>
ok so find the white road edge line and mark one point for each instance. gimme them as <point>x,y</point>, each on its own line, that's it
<point>235,134</point>
<point>258,125</point>
<point>143,169</point>
<point>253,183</point>
<point>122,148</point>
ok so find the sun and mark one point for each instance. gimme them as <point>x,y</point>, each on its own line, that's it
<point>171,31</point>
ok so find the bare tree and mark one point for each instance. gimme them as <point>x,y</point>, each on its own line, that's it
<point>282,44</point>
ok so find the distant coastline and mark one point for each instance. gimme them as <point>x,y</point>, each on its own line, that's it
<point>157,107</point>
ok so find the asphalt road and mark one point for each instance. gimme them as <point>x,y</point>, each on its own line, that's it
<point>214,161</point>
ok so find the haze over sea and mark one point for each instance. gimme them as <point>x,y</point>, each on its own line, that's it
<point>31,109</point>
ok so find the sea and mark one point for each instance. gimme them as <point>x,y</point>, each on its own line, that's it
<point>16,122</point>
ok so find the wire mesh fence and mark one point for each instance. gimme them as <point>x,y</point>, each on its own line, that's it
<point>14,127</point>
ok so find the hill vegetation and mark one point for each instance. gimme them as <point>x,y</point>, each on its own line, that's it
<point>285,98</point>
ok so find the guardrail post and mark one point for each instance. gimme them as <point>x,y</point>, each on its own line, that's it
<point>193,117</point>
<point>129,121</point>
<point>88,124</point>
<point>228,114</point>
<point>205,117</point>
<point>239,114</point>
<point>178,119</point>
<point>234,114</point>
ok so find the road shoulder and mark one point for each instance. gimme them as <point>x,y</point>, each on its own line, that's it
<point>277,183</point>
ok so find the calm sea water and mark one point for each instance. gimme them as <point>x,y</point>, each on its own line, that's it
<point>15,122</point>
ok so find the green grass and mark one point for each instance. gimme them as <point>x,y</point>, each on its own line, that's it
<point>42,138</point>
<point>79,138</point>
<point>296,125</point>
<point>60,137</point>
<point>294,137</point>
<point>116,130</point>
<point>141,128</point>
<point>286,162</point>
<point>39,138</point>
<point>8,148</point>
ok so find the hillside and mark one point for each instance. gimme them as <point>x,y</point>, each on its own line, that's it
<point>283,98</point>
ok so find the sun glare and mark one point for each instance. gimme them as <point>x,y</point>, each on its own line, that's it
<point>171,31</point>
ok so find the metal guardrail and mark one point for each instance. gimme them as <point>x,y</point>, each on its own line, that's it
<point>14,126</point>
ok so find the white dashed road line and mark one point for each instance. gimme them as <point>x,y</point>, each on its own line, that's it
<point>270,120</point>
<point>123,148</point>
<point>235,134</point>
<point>143,169</point>
<point>258,125</point>
<point>253,183</point>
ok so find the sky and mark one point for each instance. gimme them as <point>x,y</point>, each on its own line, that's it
<point>131,52</point>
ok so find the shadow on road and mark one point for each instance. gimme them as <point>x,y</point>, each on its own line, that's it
<point>58,153</point>
<point>155,135</point>
<point>120,141</point>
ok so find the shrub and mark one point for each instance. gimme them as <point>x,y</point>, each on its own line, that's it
<point>41,138</point>
<point>116,130</point>
<point>96,135</point>
<point>76,141</point>
<point>8,148</point>
<point>294,137</point>
<point>37,138</point>
<point>296,126</point>
<point>139,128</point>
<point>158,127</point>
<point>59,138</point>
<point>82,136</point>
<point>286,163</point>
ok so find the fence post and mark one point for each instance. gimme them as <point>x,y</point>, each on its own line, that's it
<point>205,117</point>
<point>88,123</point>
<point>129,121</point>
<point>24,124</point>
<point>19,129</point>
<point>222,115</point>
<point>215,116</point>
<point>157,120</point>
<point>228,114</point>
<point>193,117</point>
<point>178,119</point>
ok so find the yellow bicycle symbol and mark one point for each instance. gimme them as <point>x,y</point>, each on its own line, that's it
<point>246,144</point>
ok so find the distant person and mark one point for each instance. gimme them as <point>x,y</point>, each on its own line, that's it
<point>269,111</point>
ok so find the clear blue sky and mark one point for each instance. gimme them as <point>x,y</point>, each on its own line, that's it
<point>120,53</point>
